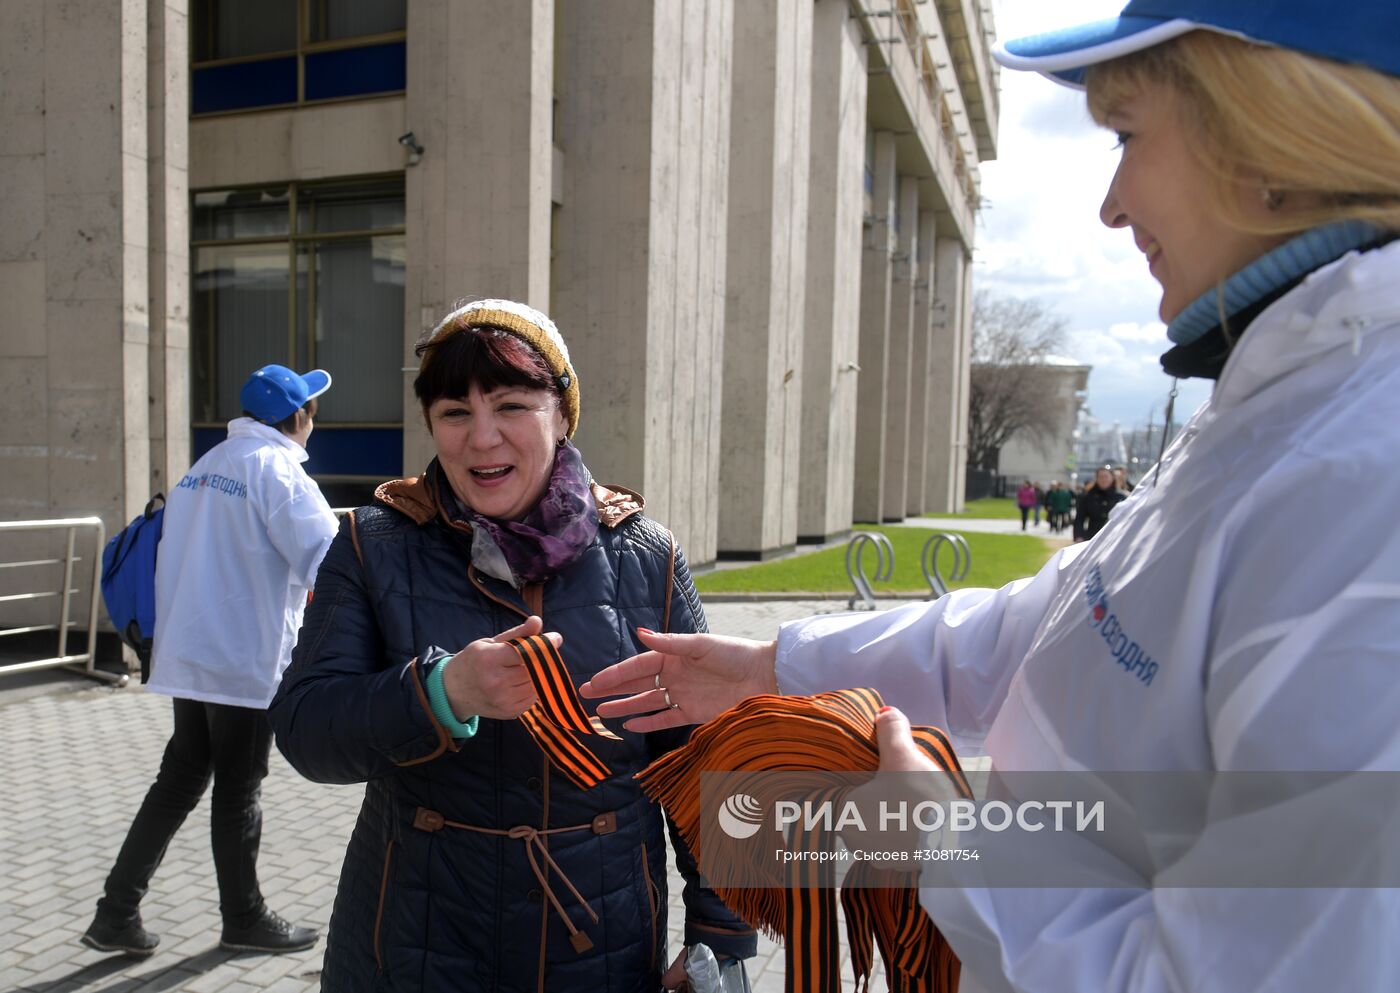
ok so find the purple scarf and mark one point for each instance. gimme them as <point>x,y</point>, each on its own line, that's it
<point>551,537</point>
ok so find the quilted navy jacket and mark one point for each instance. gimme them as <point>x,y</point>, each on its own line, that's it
<point>423,905</point>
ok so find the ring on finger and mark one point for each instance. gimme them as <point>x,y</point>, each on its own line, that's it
<point>667,696</point>
<point>657,683</point>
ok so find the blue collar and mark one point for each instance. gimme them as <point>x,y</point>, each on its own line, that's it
<point>1278,267</point>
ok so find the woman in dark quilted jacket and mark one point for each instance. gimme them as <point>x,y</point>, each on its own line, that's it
<point>497,848</point>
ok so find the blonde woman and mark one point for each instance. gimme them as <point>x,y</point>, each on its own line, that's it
<point>1200,631</point>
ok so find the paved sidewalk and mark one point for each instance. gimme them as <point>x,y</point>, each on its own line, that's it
<point>984,525</point>
<point>78,762</point>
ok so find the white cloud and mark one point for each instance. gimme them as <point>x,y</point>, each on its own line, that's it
<point>1127,384</point>
<point>1040,235</point>
<point>1154,333</point>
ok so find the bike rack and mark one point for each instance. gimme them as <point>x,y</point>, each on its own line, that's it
<point>855,570</point>
<point>928,561</point>
<point>82,662</point>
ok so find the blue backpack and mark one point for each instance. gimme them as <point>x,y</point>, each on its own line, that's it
<point>129,580</point>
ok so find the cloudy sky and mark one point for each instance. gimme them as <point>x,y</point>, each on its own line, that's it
<point>1040,234</point>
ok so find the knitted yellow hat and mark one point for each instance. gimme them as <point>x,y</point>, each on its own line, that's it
<point>531,327</point>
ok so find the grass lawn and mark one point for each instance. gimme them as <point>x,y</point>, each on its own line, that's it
<point>996,560</point>
<point>988,507</point>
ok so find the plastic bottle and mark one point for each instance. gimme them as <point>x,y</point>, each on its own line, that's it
<point>702,969</point>
<point>706,974</point>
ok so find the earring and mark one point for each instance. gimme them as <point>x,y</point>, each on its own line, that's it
<point>560,443</point>
<point>1272,199</point>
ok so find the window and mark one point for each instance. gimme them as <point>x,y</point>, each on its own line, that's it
<point>310,276</point>
<point>270,53</point>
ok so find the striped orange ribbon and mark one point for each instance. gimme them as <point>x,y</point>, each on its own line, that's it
<point>558,719</point>
<point>808,738</point>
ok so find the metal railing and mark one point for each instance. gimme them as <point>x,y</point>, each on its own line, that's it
<point>83,662</point>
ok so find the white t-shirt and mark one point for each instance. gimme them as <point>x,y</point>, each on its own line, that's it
<point>245,531</point>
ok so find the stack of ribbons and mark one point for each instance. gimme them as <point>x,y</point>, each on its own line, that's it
<point>807,739</point>
<point>559,718</point>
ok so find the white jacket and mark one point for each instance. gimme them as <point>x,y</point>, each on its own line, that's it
<point>245,531</point>
<point>1255,595</point>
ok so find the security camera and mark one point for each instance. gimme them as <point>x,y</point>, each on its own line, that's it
<point>415,151</point>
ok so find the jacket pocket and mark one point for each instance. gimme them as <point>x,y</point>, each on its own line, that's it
<point>653,901</point>
<point>379,909</point>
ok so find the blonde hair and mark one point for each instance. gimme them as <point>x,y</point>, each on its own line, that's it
<point>1323,134</point>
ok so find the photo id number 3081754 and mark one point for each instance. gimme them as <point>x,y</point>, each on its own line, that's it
<point>947,855</point>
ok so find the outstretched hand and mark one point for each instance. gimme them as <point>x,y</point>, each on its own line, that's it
<point>487,677</point>
<point>705,675</point>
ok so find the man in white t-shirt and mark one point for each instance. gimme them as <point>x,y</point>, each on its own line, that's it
<point>245,531</point>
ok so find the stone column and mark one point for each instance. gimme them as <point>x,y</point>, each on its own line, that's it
<point>897,405</point>
<point>168,190</point>
<point>765,287</point>
<point>478,204</point>
<point>949,348</point>
<point>916,499</point>
<point>831,340</point>
<point>964,324</point>
<point>77,185</point>
<point>25,345</point>
<point>875,292</point>
<point>640,245</point>
<point>75,259</point>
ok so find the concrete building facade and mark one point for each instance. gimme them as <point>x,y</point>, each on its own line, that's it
<point>751,220</point>
<point>1051,454</point>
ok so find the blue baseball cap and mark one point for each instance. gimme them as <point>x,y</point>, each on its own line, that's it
<point>1364,32</point>
<point>274,392</point>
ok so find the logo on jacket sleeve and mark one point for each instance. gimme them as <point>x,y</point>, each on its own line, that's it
<point>1129,655</point>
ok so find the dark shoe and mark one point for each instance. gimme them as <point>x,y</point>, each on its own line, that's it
<point>130,938</point>
<point>269,933</point>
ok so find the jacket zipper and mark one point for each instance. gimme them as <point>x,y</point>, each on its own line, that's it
<point>481,588</point>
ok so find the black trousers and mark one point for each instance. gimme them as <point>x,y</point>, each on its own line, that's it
<point>230,745</point>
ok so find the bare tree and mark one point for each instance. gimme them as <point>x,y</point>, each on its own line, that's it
<point>1011,390</point>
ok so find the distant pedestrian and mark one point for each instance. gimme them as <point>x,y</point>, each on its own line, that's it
<point>1060,500</point>
<point>1094,505</point>
<point>245,531</point>
<point>1039,503</point>
<point>1026,499</point>
<point>1120,479</point>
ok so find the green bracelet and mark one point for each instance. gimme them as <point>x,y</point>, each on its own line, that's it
<point>442,710</point>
